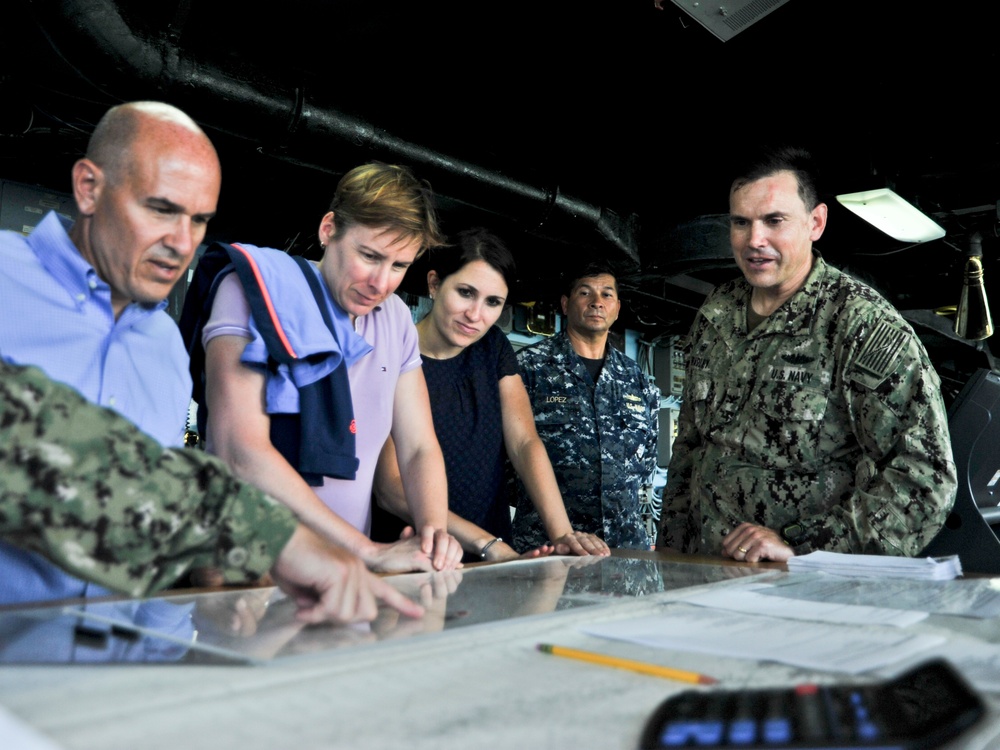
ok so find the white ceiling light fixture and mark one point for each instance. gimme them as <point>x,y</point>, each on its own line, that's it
<point>896,217</point>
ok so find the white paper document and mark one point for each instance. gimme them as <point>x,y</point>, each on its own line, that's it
<point>837,648</point>
<point>878,566</point>
<point>979,597</point>
<point>749,599</point>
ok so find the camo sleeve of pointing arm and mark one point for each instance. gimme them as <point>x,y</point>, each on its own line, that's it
<point>84,487</point>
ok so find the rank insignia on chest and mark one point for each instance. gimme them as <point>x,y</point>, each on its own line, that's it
<point>796,358</point>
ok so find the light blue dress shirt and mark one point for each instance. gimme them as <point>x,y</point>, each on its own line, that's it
<point>57,315</point>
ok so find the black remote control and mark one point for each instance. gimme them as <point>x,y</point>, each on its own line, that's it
<point>921,709</point>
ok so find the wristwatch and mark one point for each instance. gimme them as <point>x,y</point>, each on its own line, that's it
<point>793,534</point>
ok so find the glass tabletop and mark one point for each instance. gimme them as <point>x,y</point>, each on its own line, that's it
<point>258,624</point>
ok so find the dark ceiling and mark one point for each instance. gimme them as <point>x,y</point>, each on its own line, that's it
<point>572,129</point>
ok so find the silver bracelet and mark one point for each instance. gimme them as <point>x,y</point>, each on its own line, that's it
<point>490,543</point>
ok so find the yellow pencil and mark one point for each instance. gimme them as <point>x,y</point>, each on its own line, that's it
<point>635,666</point>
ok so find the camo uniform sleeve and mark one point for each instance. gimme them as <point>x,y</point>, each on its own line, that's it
<point>905,482</point>
<point>84,487</point>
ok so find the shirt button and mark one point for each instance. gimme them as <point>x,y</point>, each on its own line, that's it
<point>92,283</point>
<point>112,401</point>
<point>81,298</point>
<point>237,557</point>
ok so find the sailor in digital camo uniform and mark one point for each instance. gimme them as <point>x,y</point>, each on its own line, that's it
<point>597,413</point>
<point>812,417</point>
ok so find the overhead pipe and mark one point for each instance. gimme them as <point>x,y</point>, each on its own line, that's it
<point>92,37</point>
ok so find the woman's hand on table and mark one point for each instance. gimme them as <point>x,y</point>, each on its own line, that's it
<point>580,543</point>
<point>443,550</point>
<point>502,552</point>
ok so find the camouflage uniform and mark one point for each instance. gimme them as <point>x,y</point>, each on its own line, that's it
<point>602,449</point>
<point>101,499</point>
<point>827,415</point>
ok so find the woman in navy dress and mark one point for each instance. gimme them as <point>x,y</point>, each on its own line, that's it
<point>481,410</point>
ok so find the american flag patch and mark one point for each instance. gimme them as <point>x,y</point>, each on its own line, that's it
<point>878,355</point>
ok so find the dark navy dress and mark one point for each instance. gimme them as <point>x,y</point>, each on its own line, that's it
<point>465,402</point>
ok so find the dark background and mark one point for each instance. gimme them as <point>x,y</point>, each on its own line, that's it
<point>572,129</point>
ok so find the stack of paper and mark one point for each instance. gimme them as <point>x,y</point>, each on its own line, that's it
<point>879,566</point>
<point>813,645</point>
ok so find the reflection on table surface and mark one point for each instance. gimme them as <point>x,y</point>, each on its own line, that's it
<point>155,631</point>
<point>258,624</point>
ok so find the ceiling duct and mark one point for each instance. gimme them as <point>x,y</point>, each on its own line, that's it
<point>97,42</point>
